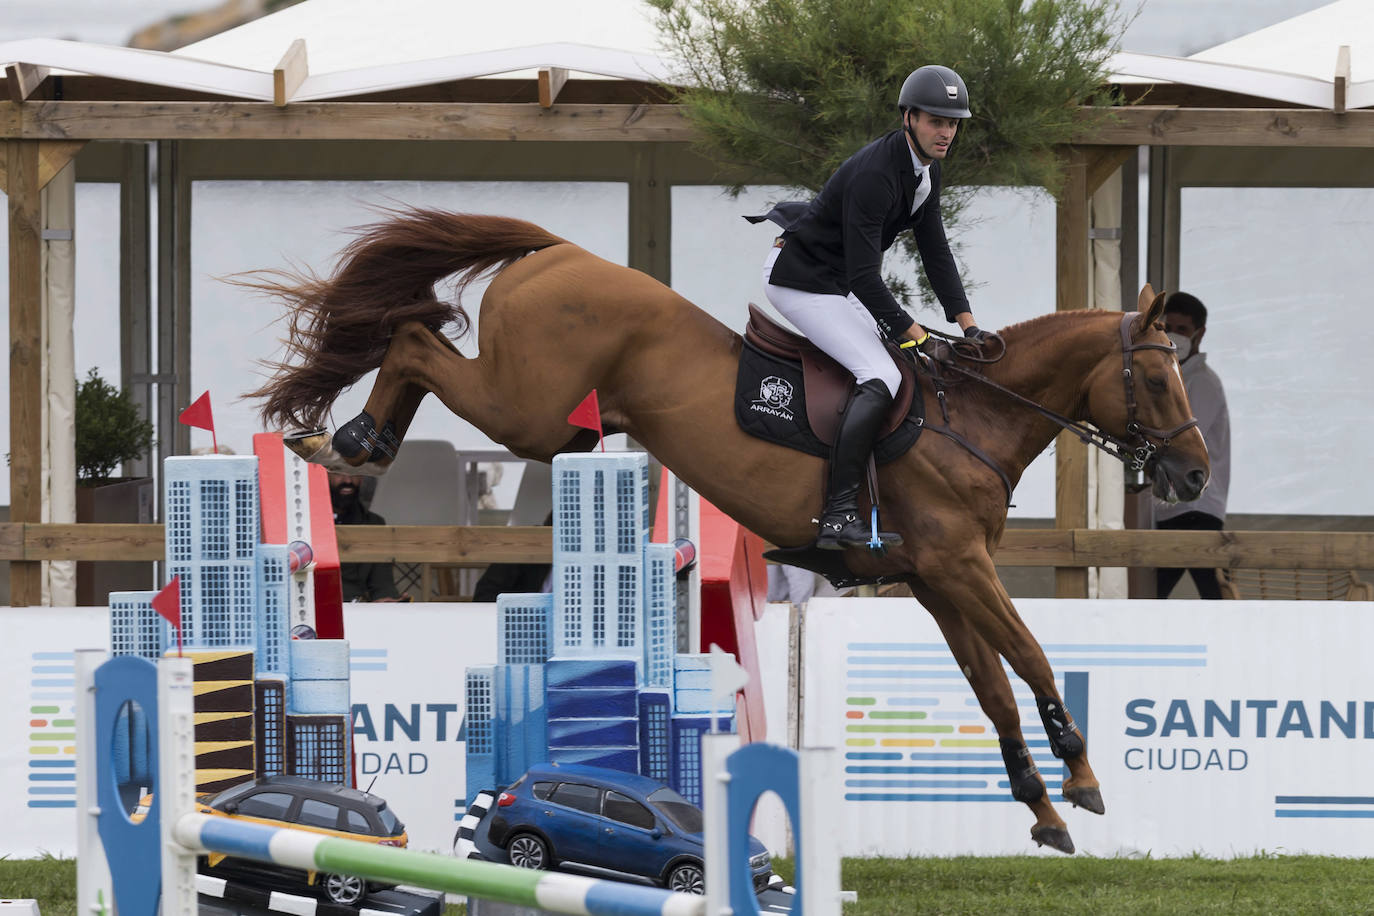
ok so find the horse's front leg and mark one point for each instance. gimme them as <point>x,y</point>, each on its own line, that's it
<point>970,584</point>
<point>983,668</point>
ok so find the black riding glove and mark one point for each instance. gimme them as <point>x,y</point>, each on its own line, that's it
<point>976,334</point>
<point>931,346</point>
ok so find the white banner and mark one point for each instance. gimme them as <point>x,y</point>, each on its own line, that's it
<point>38,731</point>
<point>409,664</point>
<point>1220,728</point>
<point>407,661</point>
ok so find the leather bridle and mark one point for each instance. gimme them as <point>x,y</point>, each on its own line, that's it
<point>1135,452</point>
<point>1141,450</point>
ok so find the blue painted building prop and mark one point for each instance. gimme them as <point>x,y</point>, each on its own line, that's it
<point>284,708</point>
<point>590,673</point>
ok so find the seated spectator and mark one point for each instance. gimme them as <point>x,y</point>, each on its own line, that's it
<point>361,581</point>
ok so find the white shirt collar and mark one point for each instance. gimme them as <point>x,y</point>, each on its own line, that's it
<point>916,161</point>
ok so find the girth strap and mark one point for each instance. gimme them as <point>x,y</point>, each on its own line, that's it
<point>975,451</point>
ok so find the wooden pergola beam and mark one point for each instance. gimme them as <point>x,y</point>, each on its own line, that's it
<point>1341,81</point>
<point>53,156</point>
<point>480,545</point>
<point>1102,163</point>
<point>23,80</point>
<point>1149,125</point>
<point>289,74</point>
<point>551,81</point>
<point>341,121</point>
<point>26,355</point>
<point>1071,292</point>
<point>1137,125</point>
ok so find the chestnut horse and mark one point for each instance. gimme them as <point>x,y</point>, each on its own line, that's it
<point>557,322</point>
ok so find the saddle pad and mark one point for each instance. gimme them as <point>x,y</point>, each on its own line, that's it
<point>770,403</point>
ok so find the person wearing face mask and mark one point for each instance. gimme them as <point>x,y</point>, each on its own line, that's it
<point>360,581</point>
<point>1185,321</point>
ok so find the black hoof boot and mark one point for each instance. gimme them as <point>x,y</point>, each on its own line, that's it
<point>360,437</point>
<point>1026,784</point>
<point>1065,739</point>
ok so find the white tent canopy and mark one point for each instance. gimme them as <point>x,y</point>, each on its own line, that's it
<point>356,47</point>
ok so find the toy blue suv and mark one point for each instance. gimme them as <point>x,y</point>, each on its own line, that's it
<point>608,823</point>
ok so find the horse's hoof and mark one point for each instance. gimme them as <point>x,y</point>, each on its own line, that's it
<point>316,448</point>
<point>1088,798</point>
<point>308,445</point>
<point>1053,837</point>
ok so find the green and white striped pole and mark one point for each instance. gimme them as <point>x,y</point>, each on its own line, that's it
<point>551,891</point>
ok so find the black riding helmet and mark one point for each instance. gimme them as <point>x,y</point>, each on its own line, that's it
<point>935,89</point>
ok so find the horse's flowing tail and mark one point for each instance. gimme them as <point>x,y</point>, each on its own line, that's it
<point>339,327</point>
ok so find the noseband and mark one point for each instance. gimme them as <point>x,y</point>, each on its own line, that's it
<point>1140,451</point>
<point>1137,451</point>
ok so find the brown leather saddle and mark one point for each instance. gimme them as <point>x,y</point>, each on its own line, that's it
<point>828,384</point>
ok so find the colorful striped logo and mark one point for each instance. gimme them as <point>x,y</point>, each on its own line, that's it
<point>52,730</point>
<point>914,732</point>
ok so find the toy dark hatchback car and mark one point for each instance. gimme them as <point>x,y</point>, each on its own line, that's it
<point>308,804</point>
<point>609,823</point>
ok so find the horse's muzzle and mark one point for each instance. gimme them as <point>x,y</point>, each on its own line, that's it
<point>1177,480</point>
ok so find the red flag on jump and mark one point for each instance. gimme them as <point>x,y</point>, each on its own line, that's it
<point>167,603</point>
<point>588,415</point>
<point>199,416</point>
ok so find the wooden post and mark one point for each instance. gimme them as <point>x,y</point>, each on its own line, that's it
<point>1071,264</point>
<point>651,217</point>
<point>26,356</point>
<point>135,292</point>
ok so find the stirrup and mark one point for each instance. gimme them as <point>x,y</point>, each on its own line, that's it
<point>851,532</point>
<point>879,541</point>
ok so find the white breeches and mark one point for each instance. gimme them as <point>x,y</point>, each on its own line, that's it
<point>839,325</point>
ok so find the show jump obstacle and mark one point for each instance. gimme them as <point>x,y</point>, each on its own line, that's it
<point>172,833</point>
<point>138,865</point>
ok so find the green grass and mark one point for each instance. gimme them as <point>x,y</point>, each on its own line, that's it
<point>1076,885</point>
<point>52,882</point>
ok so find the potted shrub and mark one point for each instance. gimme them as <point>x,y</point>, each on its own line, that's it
<point>109,432</point>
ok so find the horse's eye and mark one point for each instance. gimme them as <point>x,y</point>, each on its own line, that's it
<point>1156,383</point>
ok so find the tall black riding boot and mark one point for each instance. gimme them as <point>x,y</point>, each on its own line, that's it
<point>841,526</point>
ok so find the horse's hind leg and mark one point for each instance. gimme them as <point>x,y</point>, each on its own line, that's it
<point>983,668</point>
<point>367,444</point>
<point>518,407</point>
<point>970,583</point>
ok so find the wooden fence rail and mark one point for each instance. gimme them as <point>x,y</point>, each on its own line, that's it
<point>478,546</point>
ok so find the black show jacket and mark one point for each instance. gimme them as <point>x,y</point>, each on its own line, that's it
<point>835,242</point>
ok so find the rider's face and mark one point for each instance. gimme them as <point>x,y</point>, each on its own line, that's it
<point>933,132</point>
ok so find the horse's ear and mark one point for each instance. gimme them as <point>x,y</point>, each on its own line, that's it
<point>1155,312</point>
<point>1147,296</point>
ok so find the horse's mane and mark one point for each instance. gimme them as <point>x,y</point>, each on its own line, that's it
<point>1044,323</point>
<point>1021,339</point>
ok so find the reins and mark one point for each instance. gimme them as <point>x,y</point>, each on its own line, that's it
<point>1135,454</point>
